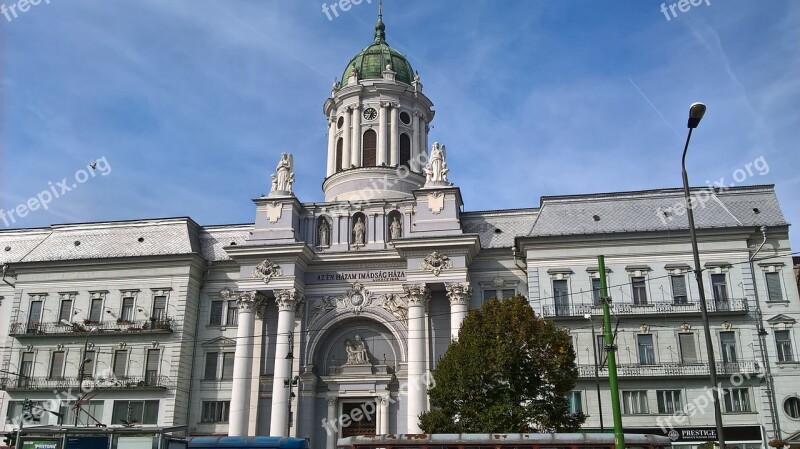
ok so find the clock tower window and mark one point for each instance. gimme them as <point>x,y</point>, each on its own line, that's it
<point>339,149</point>
<point>405,150</point>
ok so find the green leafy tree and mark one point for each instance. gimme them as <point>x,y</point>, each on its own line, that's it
<point>509,371</point>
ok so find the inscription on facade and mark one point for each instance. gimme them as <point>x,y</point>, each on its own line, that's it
<point>359,276</point>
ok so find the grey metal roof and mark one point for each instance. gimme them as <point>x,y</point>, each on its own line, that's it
<point>644,211</point>
<point>510,223</point>
<point>212,240</point>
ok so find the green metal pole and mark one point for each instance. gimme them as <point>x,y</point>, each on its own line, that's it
<point>611,349</point>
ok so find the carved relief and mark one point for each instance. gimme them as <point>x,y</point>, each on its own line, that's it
<point>267,270</point>
<point>396,306</point>
<point>435,263</point>
<point>274,212</point>
<point>436,202</point>
<point>356,299</point>
<point>321,307</point>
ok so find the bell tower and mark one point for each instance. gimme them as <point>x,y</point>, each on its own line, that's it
<point>378,123</point>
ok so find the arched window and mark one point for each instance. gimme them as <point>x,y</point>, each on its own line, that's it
<point>405,150</point>
<point>369,154</point>
<point>339,149</point>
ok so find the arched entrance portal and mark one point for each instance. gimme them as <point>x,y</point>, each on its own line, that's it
<point>356,360</point>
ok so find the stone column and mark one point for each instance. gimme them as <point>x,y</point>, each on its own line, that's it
<point>288,302</point>
<point>459,295</point>
<point>415,149</point>
<point>239,418</point>
<point>346,135</point>
<point>394,137</point>
<point>382,128</point>
<point>331,146</point>
<point>330,429</point>
<point>355,152</point>
<point>378,415</point>
<point>384,411</point>
<point>418,297</point>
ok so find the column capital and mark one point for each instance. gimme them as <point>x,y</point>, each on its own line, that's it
<point>458,293</point>
<point>331,401</point>
<point>288,300</point>
<point>386,104</point>
<point>418,294</point>
<point>418,114</point>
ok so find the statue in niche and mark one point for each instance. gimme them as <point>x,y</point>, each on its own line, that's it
<point>395,229</point>
<point>283,178</point>
<point>359,232</point>
<point>324,234</point>
<point>436,169</point>
<point>356,352</point>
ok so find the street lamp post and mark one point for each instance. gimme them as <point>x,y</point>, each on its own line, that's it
<point>696,112</point>
<point>588,316</point>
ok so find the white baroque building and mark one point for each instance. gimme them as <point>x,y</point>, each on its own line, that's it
<point>318,310</point>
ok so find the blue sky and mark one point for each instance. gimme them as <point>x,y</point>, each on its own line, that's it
<point>192,101</point>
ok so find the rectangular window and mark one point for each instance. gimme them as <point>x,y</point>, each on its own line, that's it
<point>737,400</point>
<point>210,372</point>
<point>227,365</point>
<point>35,316</point>
<point>561,297</point>
<point>96,311</point>
<point>647,354</point>
<point>575,399</point>
<point>215,411</point>
<point>719,286</point>
<point>679,295</point>
<point>728,340</point>
<point>635,402</point>
<point>784,342</point>
<point>151,368</point>
<point>126,314</point>
<point>65,313</point>
<point>508,293</point>
<point>56,365</point>
<point>669,401</point>
<point>639,287</point>
<point>774,287</point>
<point>25,368</point>
<point>88,364</point>
<point>32,415</point>
<point>216,313</point>
<point>159,308</point>
<point>88,409</point>
<point>489,294</point>
<point>135,412</point>
<point>596,291</point>
<point>688,348</point>
<point>232,319</point>
<point>120,363</point>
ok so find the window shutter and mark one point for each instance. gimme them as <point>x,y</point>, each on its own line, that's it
<point>774,287</point>
<point>678,286</point>
<point>688,350</point>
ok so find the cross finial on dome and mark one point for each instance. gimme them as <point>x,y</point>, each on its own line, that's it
<point>380,28</point>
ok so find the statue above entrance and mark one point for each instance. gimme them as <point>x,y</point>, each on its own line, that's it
<point>356,352</point>
<point>283,178</point>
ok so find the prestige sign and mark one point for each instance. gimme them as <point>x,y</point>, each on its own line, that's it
<point>357,276</point>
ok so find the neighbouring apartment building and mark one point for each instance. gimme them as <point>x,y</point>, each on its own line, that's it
<point>317,309</point>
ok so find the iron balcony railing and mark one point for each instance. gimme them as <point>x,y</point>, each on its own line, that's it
<point>148,382</point>
<point>734,306</point>
<point>673,369</point>
<point>167,325</point>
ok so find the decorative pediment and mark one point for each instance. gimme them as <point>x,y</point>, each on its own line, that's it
<point>220,341</point>
<point>781,319</point>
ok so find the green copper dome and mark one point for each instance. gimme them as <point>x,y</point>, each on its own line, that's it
<point>372,61</point>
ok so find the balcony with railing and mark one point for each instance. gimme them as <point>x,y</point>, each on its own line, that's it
<point>48,329</point>
<point>674,369</point>
<point>731,306</point>
<point>149,382</point>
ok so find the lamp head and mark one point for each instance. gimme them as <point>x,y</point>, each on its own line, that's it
<point>588,316</point>
<point>696,113</point>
